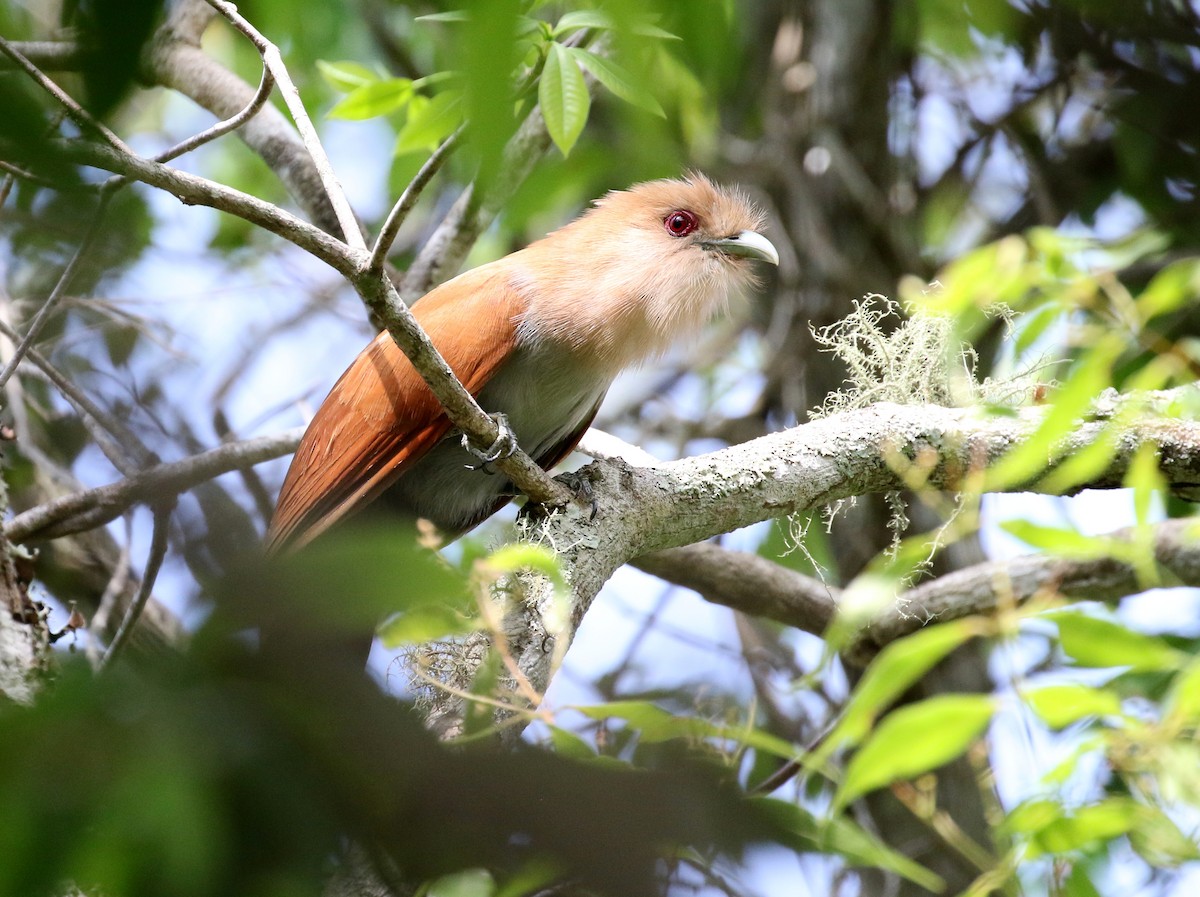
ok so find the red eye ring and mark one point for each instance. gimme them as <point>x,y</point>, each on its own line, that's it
<point>680,223</point>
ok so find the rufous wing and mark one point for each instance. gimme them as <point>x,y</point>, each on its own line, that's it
<point>380,417</point>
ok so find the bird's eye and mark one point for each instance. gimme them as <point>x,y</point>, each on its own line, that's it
<point>680,223</point>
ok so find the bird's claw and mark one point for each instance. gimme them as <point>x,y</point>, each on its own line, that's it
<point>580,483</point>
<point>503,447</point>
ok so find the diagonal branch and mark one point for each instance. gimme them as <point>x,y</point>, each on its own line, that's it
<point>308,133</point>
<point>645,509</point>
<point>90,508</point>
<point>986,588</point>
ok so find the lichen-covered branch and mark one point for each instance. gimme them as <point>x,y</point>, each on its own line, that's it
<point>645,509</point>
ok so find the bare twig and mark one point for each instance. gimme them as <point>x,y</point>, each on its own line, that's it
<point>471,214</point>
<point>56,294</point>
<point>265,85</point>
<point>80,511</point>
<point>408,199</point>
<point>158,551</point>
<point>117,585</point>
<point>78,114</point>
<point>194,190</point>
<point>748,583</point>
<point>95,419</point>
<point>291,98</point>
<point>175,60</point>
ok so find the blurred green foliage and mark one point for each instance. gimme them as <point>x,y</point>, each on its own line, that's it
<point>227,771</point>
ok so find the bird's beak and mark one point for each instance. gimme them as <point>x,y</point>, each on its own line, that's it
<point>748,244</point>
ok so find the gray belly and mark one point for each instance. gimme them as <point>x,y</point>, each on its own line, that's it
<point>545,401</point>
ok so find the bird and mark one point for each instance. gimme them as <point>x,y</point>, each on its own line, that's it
<point>537,336</point>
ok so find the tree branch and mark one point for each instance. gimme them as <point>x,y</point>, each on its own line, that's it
<point>94,507</point>
<point>985,588</point>
<point>746,582</point>
<point>645,509</point>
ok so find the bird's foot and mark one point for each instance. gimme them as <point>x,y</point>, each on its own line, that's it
<point>580,483</point>
<point>503,447</point>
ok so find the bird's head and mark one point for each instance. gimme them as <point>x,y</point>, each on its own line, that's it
<point>649,264</point>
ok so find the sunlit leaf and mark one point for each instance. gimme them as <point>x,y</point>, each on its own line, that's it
<point>429,123</point>
<point>1175,286</point>
<point>1094,642</point>
<point>454,15</point>
<point>897,668</point>
<point>617,80</point>
<point>346,76</point>
<point>915,739</point>
<point>656,724</point>
<point>563,97</point>
<point>843,836</point>
<point>583,18</point>
<point>1182,704</point>
<point>1067,543</point>
<point>421,623</point>
<point>1159,841</point>
<point>516,556</point>
<point>468,883</point>
<point>1027,460</point>
<point>1087,826</point>
<point>1061,705</point>
<point>374,99</point>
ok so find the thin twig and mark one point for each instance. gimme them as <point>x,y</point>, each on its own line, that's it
<point>265,85</point>
<point>194,190</point>
<point>89,508</point>
<point>59,290</point>
<point>116,586</point>
<point>291,98</point>
<point>158,551</point>
<point>78,114</point>
<point>89,410</point>
<point>408,199</point>
<point>400,211</point>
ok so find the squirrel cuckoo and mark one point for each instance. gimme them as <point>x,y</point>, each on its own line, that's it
<point>538,336</point>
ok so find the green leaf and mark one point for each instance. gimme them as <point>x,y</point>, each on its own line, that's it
<point>1032,816</point>
<point>602,21</point>
<point>583,18</point>
<point>468,883</point>
<point>568,744</point>
<point>1067,543</point>
<point>1182,705</point>
<point>517,556</point>
<point>1171,288</point>
<point>1025,462</point>
<point>346,76</point>
<point>454,15</point>
<point>617,80</point>
<point>1158,840</point>
<point>1084,829</point>
<point>1061,705</point>
<point>563,97</point>
<point>1094,642</point>
<point>915,739</point>
<point>846,838</point>
<point>896,668</point>
<point>429,122</point>
<point>422,623</point>
<point>374,99</point>
<point>655,724</point>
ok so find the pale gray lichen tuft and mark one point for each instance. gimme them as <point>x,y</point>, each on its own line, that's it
<point>910,360</point>
<point>913,360</point>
